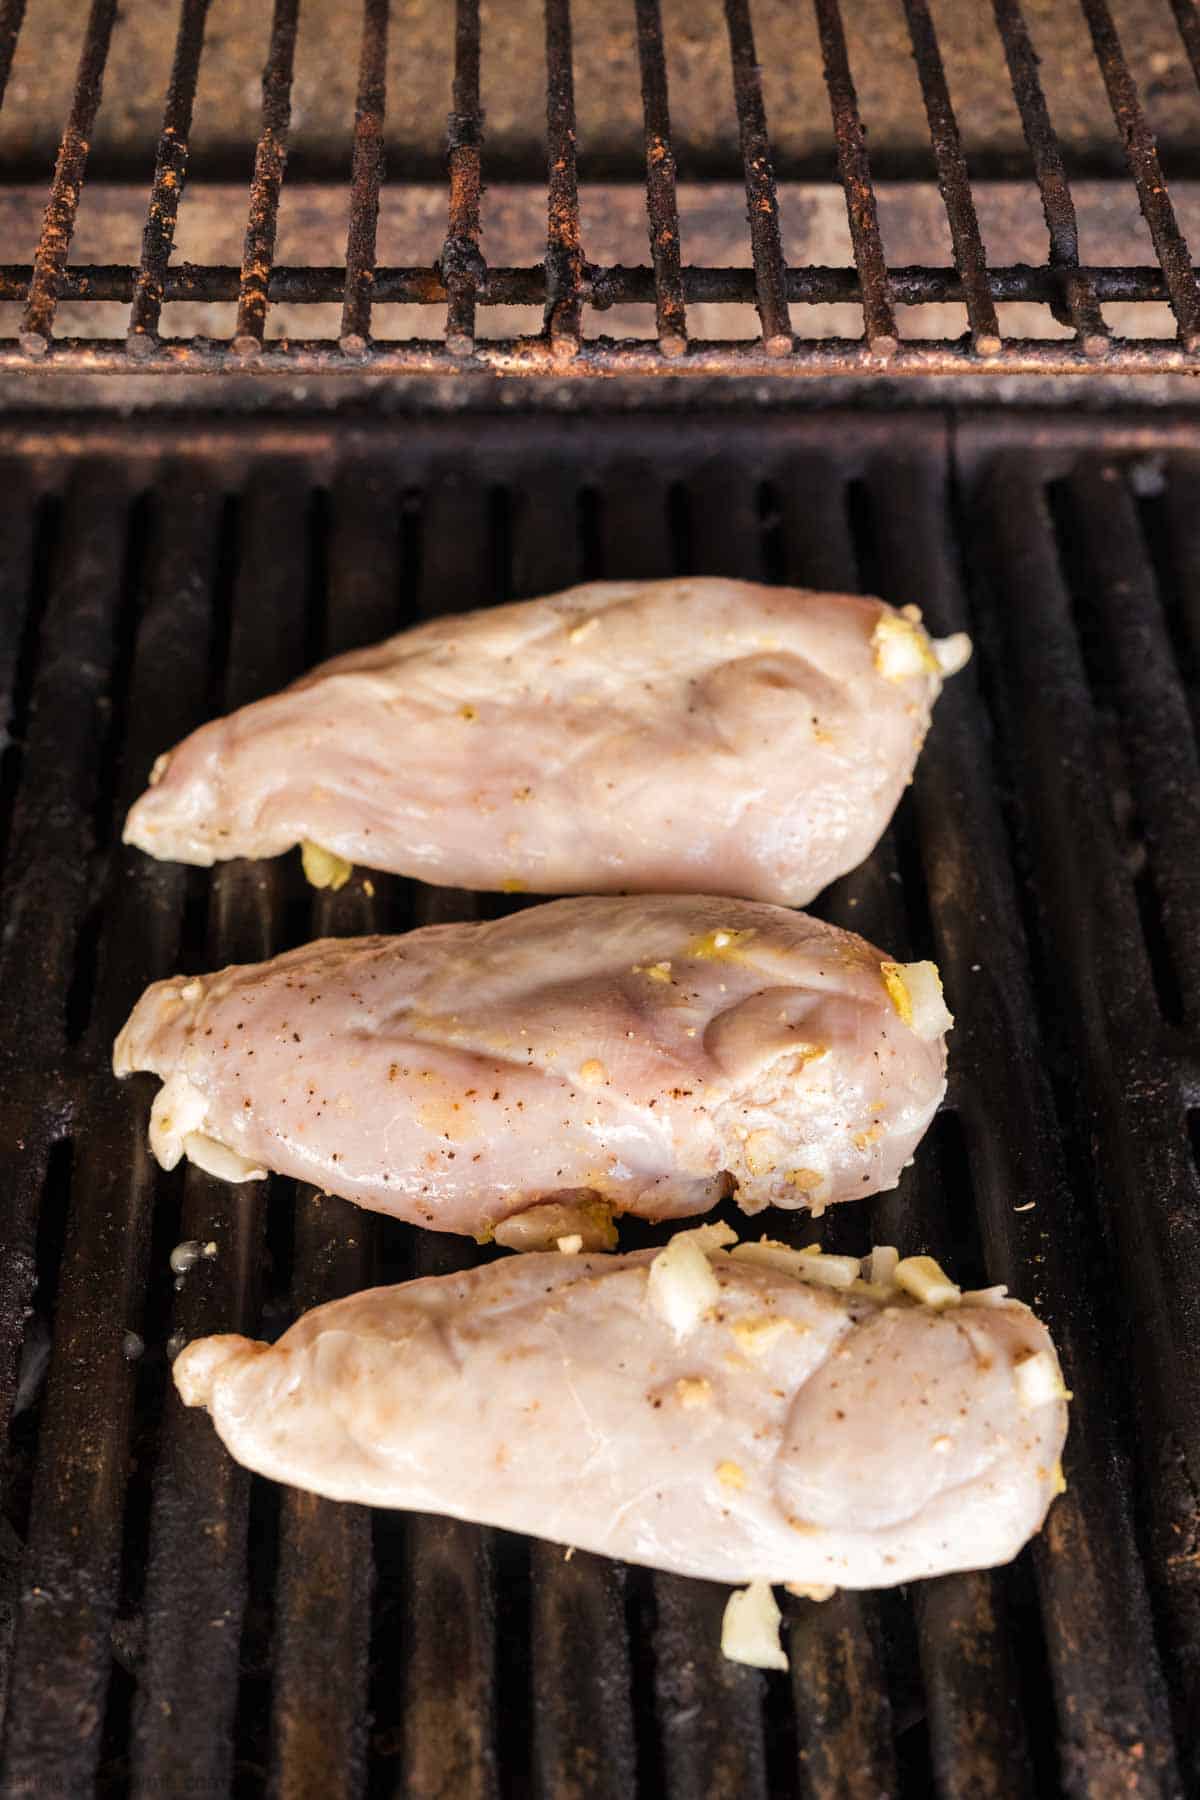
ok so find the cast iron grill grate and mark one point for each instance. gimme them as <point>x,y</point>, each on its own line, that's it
<point>566,284</point>
<point>166,1620</point>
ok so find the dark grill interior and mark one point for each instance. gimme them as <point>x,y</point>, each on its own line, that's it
<point>166,1620</point>
<point>566,284</point>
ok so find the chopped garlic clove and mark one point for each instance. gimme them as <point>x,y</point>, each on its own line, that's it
<point>927,1282</point>
<point>179,1110</point>
<point>993,1296</point>
<point>806,1265</point>
<point>572,1245</point>
<point>915,990</point>
<point>750,1628</point>
<point>218,1159</point>
<point>323,868</point>
<point>681,1286</point>
<point>880,1266</point>
<point>583,1215</point>
<point>902,648</point>
<point>951,653</point>
<point>1038,1380</point>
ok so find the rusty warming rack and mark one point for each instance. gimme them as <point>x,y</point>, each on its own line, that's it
<point>566,285</point>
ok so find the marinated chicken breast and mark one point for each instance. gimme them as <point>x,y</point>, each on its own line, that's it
<point>733,1418</point>
<point>703,736</point>
<point>650,1052</point>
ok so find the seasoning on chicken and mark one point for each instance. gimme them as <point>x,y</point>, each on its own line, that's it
<point>530,1076</point>
<point>697,735</point>
<point>788,1423</point>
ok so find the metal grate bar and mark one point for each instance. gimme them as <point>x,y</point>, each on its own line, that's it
<point>58,225</point>
<point>1187,17</point>
<point>170,173</point>
<point>323,1590</point>
<point>766,245</point>
<point>910,285</point>
<point>709,1709</point>
<point>565,265</point>
<point>1141,152</point>
<point>582,1690</point>
<point>661,204</point>
<point>1145,683</point>
<point>462,267</point>
<point>366,178</point>
<point>953,180</point>
<point>12,17</point>
<point>1078,306</point>
<point>196,1579</point>
<point>1181,508</point>
<point>879,321</point>
<point>270,160</point>
<point>323,1593</point>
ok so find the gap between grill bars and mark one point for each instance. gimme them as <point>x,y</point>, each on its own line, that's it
<point>165,1611</point>
<point>570,290</point>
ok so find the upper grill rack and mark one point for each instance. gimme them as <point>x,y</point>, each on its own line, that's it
<point>566,283</point>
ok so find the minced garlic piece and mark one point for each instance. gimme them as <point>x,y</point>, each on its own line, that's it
<point>806,1265</point>
<point>218,1159</point>
<point>927,1281</point>
<point>915,990</point>
<point>572,1245</point>
<point>750,1628</point>
<point>810,1590</point>
<point>592,1072</point>
<point>880,1266</point>
<point>1058,1479</point>
<point>693,1391</point>
<point>512,884</point>
<point>577,633</point>
<point>659,971</point>
<point>1038,1380</point>
<point>902,647</point>
<point>953,653</point>
<point>681,1286</point>
<point>993,1296</point>
<point>540,1227</point>
<point>731,1475</point>
<point>323,868</point>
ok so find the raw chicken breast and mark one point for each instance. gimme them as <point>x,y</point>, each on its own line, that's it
<point>727,1420</point>
<point>703,736</point>
<point>652,1051</point>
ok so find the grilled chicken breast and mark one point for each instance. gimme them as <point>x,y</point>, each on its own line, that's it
<point>726,1417</point>
<point>650,1052</point>
<point>704,736</point>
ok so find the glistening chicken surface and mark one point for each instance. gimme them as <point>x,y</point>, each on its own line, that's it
<point>694,735</point>
<point>643,1055</point>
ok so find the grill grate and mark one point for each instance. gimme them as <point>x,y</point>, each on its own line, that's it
<point>566,285</point>
<point>165,1612</point>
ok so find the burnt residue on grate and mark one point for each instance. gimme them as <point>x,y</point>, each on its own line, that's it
<point>563,284</point>
<point>162,1610</point>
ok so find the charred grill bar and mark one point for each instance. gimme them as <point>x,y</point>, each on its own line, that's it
<point>566,286</point>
